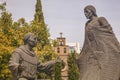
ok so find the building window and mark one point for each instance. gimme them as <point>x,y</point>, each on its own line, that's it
<point>64,50</point>
<point>58,50</point>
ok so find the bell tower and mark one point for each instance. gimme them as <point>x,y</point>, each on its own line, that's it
<point>63,50</point>
<point>61,40</point>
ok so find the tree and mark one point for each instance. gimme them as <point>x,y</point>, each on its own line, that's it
<point>22,22</point>
<point>73,73</point>
<point>58,68</point>
<point>2,6</point>
<point>38,17</point>
<point>6,47</point>
<point>39,27</point>
<point>5,21</point>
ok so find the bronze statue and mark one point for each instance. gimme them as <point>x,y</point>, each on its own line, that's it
<point>100,55</point>
<point>24,63</point>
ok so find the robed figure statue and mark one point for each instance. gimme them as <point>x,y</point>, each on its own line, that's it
<point>100,55</point>
<point>24,63</point>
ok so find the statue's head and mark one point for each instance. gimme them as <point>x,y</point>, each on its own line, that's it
<point>30,39</point>
<point>90,11</point>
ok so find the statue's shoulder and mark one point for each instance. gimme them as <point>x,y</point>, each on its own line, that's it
<point>103,20</point>
<point>18,50</point>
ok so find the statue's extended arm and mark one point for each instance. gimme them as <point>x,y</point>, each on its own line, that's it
<point>46,67</point>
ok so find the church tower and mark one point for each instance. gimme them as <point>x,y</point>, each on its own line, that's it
<point>63,50</point>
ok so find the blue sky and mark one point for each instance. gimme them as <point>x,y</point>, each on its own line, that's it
<point>67,16</point>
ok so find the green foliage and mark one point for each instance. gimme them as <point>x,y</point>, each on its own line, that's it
<point>58,68</point>
<point>2,6</point>
<point>22,23</point>
<point>7,43</point>
<point>42,34</point>
<point>38,17</point>
<point>39,27</point>
<point>73,73</point>
<point>5,73</point>
<point>5,21</point>
<point>54,43</point>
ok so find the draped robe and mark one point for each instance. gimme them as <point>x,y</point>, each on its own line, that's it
<point>25,64</point>
<point>100,55</point>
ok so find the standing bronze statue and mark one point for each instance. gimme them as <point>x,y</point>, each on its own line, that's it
<point>100,55</point>
<point>24,63</point>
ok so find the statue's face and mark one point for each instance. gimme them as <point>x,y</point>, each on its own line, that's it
<point>88,13</point>
<point>32,41</point>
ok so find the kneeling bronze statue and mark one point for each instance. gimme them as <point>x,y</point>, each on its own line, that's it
<point>24,63</point>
